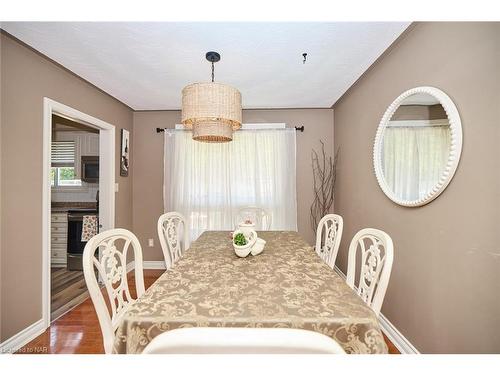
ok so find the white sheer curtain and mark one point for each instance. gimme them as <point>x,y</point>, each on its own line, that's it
<point>210,182</point>
<point>414,158</point>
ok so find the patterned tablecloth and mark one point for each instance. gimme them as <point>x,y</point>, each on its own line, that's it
<point>287,285</point>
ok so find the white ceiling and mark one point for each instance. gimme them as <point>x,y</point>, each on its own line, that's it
<point>146,64</point>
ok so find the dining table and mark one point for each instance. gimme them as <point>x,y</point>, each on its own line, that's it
<point>286,286</point>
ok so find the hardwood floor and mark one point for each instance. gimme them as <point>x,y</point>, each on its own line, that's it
<point>67,290</point>
<point>392,348</point>
<point>78,330</point>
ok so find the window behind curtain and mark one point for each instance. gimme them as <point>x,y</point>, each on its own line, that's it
<point>209,182</point>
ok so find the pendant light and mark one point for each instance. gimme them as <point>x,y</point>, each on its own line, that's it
<point>212,110</point>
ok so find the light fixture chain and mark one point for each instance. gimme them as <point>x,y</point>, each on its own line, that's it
<point>212,71</point>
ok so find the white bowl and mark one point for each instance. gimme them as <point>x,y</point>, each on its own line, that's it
<point>243,251</point>
<point>258,247</point>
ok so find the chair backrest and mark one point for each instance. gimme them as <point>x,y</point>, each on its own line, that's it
<point>257,215</point>
<point>174,236</point>
<point>328,236</point>
<point>375,269</point>
<point>106,255</point>
<point>223,340</point>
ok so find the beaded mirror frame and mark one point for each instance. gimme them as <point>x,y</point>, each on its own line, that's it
<point>455,145</point>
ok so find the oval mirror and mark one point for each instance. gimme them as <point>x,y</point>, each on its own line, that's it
<point>417,146</point>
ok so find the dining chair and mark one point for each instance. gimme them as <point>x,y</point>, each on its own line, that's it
<point>375,269</point>
<point>261,217</point>
<point>107,253</point>
<point>223,340</point>
<point>174,236</point>
<point>328,236</point>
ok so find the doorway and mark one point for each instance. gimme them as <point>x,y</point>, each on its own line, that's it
<point>74,178</point>
<point>79,189</point>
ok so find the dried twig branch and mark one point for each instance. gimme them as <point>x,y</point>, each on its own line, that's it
<point>324,178</point>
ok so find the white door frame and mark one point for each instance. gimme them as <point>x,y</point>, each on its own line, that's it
<point>106,182</point>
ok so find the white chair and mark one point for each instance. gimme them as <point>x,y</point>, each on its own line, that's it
<point>111,266</point>
<point>222,340</point>
<point>375,269</point>
<point>328,236</point>
<point>257,215</point>
<point>174,236</point>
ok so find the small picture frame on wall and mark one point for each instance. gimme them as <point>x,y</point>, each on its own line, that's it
<point>125,149</point>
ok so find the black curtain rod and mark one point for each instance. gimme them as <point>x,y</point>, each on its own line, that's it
<point>298,128</point>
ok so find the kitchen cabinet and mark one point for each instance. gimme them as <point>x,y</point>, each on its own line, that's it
<point>89,144</point>
<point>58,239</point>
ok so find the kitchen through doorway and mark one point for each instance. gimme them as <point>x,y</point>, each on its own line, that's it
<point>79,188</point>
<point>74,178</point>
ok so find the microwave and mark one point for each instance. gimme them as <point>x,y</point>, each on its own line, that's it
<point>90,168</point>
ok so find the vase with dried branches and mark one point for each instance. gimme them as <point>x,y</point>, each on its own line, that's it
<point>324,178</point>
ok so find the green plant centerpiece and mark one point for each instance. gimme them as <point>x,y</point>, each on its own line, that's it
<point>240,240</point>
<point>243,242</point>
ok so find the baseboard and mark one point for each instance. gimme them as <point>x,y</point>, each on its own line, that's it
<point>130,266</point>
<point>148,265</point>
<point>22,338</point>
<point>396,337</point>
<point>57,265</point>
<point>153,265</point>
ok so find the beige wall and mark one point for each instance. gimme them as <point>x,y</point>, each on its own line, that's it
<point>148,164</point>
<point>27,77</point>
<point>444,290</point>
